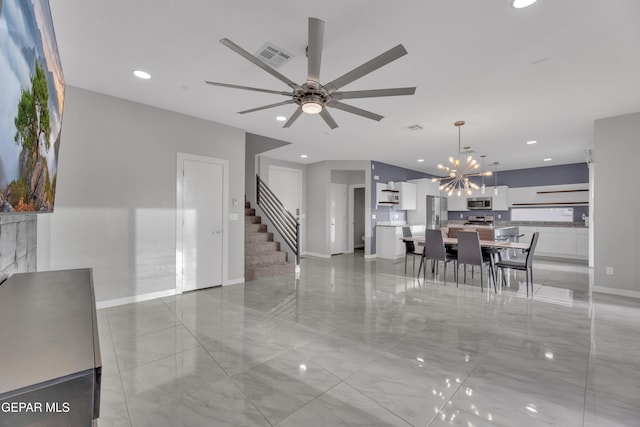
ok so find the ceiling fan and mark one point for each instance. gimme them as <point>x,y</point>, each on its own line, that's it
<point>313,97</point>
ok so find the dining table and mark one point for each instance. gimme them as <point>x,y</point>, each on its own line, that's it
<point>484,244</point>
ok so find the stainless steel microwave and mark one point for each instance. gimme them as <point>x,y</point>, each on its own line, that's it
<point>483,203</point>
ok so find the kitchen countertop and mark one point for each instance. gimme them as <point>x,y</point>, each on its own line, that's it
<point>503,224</point>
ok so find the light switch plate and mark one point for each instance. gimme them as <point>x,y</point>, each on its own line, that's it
<point>233,217</point>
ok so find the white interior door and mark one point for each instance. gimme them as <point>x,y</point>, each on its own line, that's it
<point>202,224</point>
<point>338,218</point>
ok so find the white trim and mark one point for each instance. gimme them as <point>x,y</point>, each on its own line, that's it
<point>616,291</point>
<point>234,281</point>
<point>180,158</point>
<point>316,254</point>
<point>370,256</point>
<point>135,298</point>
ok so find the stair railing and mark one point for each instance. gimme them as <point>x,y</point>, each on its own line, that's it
<point>286,224</point>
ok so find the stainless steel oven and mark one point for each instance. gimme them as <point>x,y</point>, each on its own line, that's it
<point>474,203</point>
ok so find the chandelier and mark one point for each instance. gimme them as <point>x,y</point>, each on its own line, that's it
<point>459,172</point>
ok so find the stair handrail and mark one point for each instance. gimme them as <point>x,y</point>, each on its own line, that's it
<point>285,223</point>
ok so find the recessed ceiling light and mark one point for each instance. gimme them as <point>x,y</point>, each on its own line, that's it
<point>548,159</point>
<point>519,4</point>
<point>304,156</point>
<point>281,118</point>
<point>531,142</point>
<point>142,74</point>
<point>420,160</point>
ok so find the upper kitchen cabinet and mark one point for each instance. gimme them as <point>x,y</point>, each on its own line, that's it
<point>455,202</point>
<point>501,201</point>
<point>406,196</point>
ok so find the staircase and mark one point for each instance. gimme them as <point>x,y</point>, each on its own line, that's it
<point>262,256</point>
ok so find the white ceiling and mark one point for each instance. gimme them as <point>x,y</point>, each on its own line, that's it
<point>545,72</point>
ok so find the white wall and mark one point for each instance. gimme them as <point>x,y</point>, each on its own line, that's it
<point>264,163</point>
<point>616,205</point>
<point>115,207</point>
<point>256,144</point>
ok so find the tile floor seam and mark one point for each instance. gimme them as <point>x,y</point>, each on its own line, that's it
<point>126,404</point>
<point>586,382</point>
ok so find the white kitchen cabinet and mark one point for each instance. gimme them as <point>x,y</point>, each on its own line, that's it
<point>455,203</point>
<point>582,242</point>
<point>566,241</point>
<point>547,242</point>
<point>501,201</point>
<point>406,196</point>
<point>559,242</point>
<point>389,244</point>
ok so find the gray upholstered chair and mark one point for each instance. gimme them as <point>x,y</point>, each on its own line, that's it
<point>526,265</point>
<point>434,250</point>
<point>470,253</point>
<point>410,250</point>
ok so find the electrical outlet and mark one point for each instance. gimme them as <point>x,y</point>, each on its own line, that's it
<point>376,177</point>
<point>499,216</point>
<point>461,216</point>
<point>609,271</point>
<point>373,216</point>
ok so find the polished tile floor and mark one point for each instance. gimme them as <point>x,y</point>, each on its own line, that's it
<point>357,343</point>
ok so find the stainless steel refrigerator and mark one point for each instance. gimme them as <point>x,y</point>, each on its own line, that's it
<point>437,213</point>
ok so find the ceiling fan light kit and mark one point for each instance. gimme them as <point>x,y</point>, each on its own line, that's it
<point>314,98</point>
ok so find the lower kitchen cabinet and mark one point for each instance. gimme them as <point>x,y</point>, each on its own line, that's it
<point>559,242</point>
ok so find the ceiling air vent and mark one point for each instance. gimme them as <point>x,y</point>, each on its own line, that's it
<point>415,127</point>
<point>273,55</point>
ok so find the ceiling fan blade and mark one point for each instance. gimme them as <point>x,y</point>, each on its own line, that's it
<point>277,92</point>
<point>314,51</point>
<point>293,117</point>
<point>277,104</point>
<point>355,110</point>
<point>374,93</point>
<point>366,68</point>
<point>328,119</point>
<point>231,45</point>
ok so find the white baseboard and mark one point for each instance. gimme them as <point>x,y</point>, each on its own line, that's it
<point>234,281</point>
<point>370,256</point>
<point>135,298</point>
<point>616,291</point>
<point>316,255</point>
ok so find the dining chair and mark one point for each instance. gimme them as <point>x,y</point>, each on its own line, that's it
<point>434,250</point>
<point>470,253</point>
<point>410,249</point>
<point>526,265</point>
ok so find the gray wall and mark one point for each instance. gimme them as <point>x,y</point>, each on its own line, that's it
<point>255,145</point>
<point>18,244</point>
<point>116,193</point>
<point>616,205</point>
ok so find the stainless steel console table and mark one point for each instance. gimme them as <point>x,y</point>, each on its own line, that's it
<point>50,366</point>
